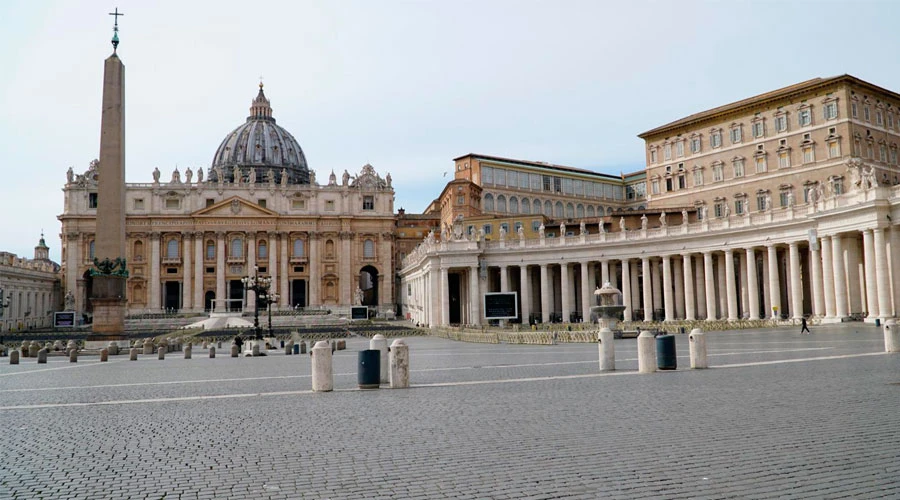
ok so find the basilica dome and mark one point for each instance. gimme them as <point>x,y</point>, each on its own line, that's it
<point>258,147</point>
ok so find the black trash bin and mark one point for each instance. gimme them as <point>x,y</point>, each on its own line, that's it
<point>665,352</point>
<point>877,321</point>
<point>369,375</point>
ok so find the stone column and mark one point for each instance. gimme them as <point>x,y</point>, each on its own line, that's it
<point>656,279</point>
<point>752,284</point>
<point>668,301</point>
<point>854,275</point>
<point>445,297</point>
<point>387,279</point>
<point>688,272</point>
<point>604,272</point>
<point>474,297</point>
<point>840,277</point>
<point>894,267</point>
<point>73,264</point>
<point>347,288</point>
<point>626,289</point>
<point>220,272</point>
<point>730,285</point>
<point>525,284</point>
<point>504,278</point>
<point>635,283</point>
<point>272,266</point>
<point>154,272</point>
<point>871,280</point>
<point>545,294</point>
<point>283,262</point>
<point>816,287</point>
<point>828,277</point>
<point>187,289</point>
<point>722,289</point>
<point>678,283</point>
<point>199,264</point>
<point>314,281</point>
<point>741,269</point>
<point>796,287</point>
<point>648,289</point>
<point>708,277</point>
<point>774,282</point>
<point>252,268</point>
<point>586,292</point>
<point>881,276</point>
<point>565,285</point>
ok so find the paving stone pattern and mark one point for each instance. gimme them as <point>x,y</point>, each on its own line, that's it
<point>481,421</point>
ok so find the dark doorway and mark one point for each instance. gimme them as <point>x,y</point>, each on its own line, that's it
<point>208,299</point>
<point>88,291</point>
<point>236,294</point>
<point>453,289</point>
<point>298,293</point>
<point>368,283</point>
<point>172,295</point>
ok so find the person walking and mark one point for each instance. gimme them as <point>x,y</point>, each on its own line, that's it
<point>803,326</point>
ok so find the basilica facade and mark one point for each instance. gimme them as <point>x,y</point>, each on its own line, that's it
<point>258,209</point>
<point>783,205</point>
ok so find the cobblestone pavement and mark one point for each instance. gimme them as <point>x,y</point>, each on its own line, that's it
<point>779,415</point>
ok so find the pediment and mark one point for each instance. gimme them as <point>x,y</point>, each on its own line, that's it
<point>235,207</point>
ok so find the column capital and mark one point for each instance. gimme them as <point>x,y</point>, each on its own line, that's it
<point>794,244</point>
<point>155,236</point>
<point>199,234</point>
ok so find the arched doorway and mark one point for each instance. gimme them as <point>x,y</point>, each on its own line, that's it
<point>208,300</point>
<point>368,283</point>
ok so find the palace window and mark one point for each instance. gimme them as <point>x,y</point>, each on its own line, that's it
<point>210,250</point>
<point>653,155</point>
<point>487,228</point>
<point>761,198</point>
<point>92,200</point>
<point>837,185</point>
<point>536,180</point>
<point>738,167</point>
<point>262,250</point>
<point>718,172</point>
<point>504,227</point>
<point>570,210</point>
<point>719,208</point>
<point>298,250</point>
<point>830,110</point>
<point>715,138</point>
<point>781,123</point>
<point>866,115</point>
<point>139,204</point>
<point>487,175</point>
<point>526,206</point>
<point>513,205</point>
<point>237,248</point>
<point>894,155</point>
<point>882,153</point>
<point>368,202</point>
<point>172,249</point>
<point>499,177</point>
<point>739,206</point>
<point>91,250</point>
<point>698,177</point>
<point>579,211</point>
<point>784,197</point>
<point>890,120</point>
<point>489,202</point>
<point>879,118</point>
<point>559,210</point>
<point>368,249</point>
<point>536,225</point>
<point>512,178</point>
<point>695,144</point>
<point>784,159</point>
<point>761,166</point>
<point>834,149</point>
<point>547,182</point>
<point>654,186</point>
<point>679,148</point>
<point>590,210</point>
<point>759,129</point>
<point>804,117</point>
<point>501,204</point>
<point>736,135</point>
<point>854,109</point>
<point>298,204</point>
<point>548,208</point>
<point>667,151</point>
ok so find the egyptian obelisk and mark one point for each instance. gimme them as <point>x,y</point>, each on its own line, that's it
<point>109,281</point>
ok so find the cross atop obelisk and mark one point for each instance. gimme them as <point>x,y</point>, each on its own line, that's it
<point>115,38</point>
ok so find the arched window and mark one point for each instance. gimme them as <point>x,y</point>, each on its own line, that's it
<point>210,250</point>
<point>237,248</point>
<point>559,209</point>
<point>262,250</point>
<point>138,253</point>
<point>548,208</point>
<point>526,206</point>
<point>91,250</point>
<point>501,204</point>
<point>368,249</point>
<point>590,210</point>
<point>489,202</point>
<point>298,248</point>
<point>570,210</point>
<point>579,211</point>
<point>609,211</point>
<point>172,249</point>
<point>513,205</point>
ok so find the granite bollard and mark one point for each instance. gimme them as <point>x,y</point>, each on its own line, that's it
<point>697,340</point>
<point>212,351</point>
<point>646,352</point>
<point>33,349</point>
<point>73,355</point>
<point>399,361</point>
<point>891,336</point>
<point>379,343</point>
<point>133,354</point>
<point>187,351</point>
<point>13,357</point>
<point>42,356</point>
<point>104,354</point>
<point>234,351</point>
<point>148,346</point>
<point>322,375</point>
<point>161,352</point>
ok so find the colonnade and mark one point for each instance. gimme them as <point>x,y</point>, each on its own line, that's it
<point>831,277</point>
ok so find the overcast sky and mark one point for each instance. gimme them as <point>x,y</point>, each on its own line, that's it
<point>405,86</point>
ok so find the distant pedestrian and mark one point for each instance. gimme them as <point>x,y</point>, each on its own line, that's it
<point>803,326</point>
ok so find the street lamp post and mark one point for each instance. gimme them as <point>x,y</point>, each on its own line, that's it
<point>259,285</point>
<point>271,299</point>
